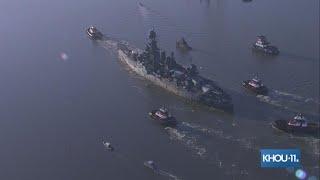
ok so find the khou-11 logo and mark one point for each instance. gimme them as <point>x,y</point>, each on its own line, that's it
<point>280,158</point>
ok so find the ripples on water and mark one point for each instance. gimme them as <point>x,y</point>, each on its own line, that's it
<point>191,141</point>
<point>188,133</point>
<point>276,98</point>
<point>192,135</point>
<point>167,174</point>
<point>291,102</point>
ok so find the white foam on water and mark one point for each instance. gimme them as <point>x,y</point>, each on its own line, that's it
<point>109,45</point>
<point>165,173</point>
<point>269,100</point>
<point>290,101</point>
<point>244,142</point>
<point>191,141</point>
<point>294,98</point>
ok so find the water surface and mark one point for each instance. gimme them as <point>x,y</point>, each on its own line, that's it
<point>55,112</point>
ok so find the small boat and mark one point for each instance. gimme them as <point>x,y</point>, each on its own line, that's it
<point>255,85</point>
<point>163,116</point>
<point>150,164</point>
<point>262,45</point>
<point>183,45</point>
<point>108,146</point>
<point>297,125</point>
<point>94,34</point>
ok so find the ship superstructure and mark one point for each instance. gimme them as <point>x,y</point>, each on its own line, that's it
<point>264,46</point>
<point>163,70</point>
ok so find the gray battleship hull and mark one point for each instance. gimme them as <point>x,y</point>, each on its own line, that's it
<point>170,86</point>
<point>164,83</point>
<point>201,90</point>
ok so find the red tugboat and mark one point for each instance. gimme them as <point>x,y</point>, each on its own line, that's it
<point>297,125</point>
<point>255,85</point>
<point>163,116</point>
<point>262,45</point>
<point>94,34</point>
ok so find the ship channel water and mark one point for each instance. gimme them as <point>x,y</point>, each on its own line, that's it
<point>62,94</point>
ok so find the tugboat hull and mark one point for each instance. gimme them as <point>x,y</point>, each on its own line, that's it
<point>95,36</point>
<point>311,129</point>
<point>172,87</point>
<point>270,50</point>
<point>170,121</point>
<point>262,90</point>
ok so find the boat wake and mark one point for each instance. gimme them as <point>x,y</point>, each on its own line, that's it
<point>112,44</point>
<point>151,165</point>
<point>193,136</point>
<point>247,143</point>
<point>191,141</point>
<point>291,102</point>
<point>109,44</point>
<point>167,174</point>
<point>186,131</point>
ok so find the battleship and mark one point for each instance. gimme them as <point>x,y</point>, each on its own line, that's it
<point>154,65</point>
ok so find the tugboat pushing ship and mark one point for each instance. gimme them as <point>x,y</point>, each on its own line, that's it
<point>255,85</point>
<point>297,125</point>
<point>154,65</point>
<point>262,45</point>
<point>94,34</point>
<point>163,116</point>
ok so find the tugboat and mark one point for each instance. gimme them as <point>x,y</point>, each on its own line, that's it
<point>108,146</point>
<point>297,125</point>
<point>183,45</point>
<point>94,34</point>
<point>262,45</point>
<point>255,85</point>
<point>163,116</point>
